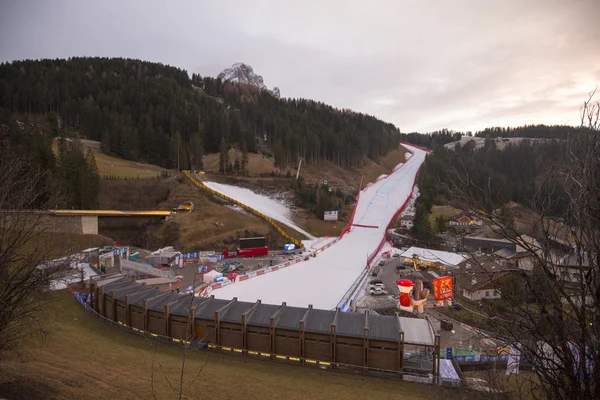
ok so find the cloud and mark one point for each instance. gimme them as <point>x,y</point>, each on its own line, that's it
<point>463,64</point>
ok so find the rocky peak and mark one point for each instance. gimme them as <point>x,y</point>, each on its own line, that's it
<point>243,73</point>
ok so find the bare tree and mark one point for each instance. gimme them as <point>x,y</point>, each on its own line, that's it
<point>186,341</point>
<point>556,326</point>
<point>24,246</point>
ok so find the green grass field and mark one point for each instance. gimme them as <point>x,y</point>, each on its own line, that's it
<point>109,165</point>
<point>443,211</point>
<point>82,358</point>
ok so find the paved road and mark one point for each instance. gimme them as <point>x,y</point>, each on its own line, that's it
<point>464,335</point>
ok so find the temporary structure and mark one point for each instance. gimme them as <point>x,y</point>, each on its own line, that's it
<point>210,276</point>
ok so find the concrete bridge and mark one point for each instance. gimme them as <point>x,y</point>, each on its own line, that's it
<point>76,221</point>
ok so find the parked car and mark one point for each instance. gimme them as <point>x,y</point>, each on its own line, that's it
<point>396,255</point>
<point>376,283</point>
<point>377,291</point>
<point>446,325</point>
<point>381,263</point>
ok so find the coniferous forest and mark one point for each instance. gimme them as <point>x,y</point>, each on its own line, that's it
<point>151,112</point>
<point>518,172</point>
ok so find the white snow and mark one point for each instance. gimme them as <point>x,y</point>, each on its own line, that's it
<point>323,280</point>
<point>266,205</point>
<point>444,257</point>
<point>73,276</point>
<point>318,243</point>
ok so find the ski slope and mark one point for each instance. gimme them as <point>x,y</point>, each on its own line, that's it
<point>266,205</point>
<point>323,280</point>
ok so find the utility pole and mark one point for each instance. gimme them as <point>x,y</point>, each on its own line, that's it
<point>299,165</point>
<point>80,174</point>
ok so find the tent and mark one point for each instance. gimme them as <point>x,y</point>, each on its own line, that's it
<point>210,276</point>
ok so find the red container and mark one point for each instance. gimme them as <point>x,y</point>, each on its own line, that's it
<point>253,252</point>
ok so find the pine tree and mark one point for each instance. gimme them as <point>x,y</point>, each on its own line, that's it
<point>441,225</point>
<point>236,166</point>
<point>196,152</point>
<point>223,156</point>
<point>279,156</point>
<point>92,180</point>
<point>244,164</point>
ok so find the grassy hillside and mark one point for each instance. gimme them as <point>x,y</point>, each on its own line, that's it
<point>81,358</point>
<point>201,229</point>
<point>118,167</point>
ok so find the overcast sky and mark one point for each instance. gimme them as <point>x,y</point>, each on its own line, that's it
<point>423,65</point>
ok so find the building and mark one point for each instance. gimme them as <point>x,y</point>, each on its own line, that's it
<point>479,280</point>
<point>465,221</point>
<point>487,245</point>
<point>569,268</point>
<point>165,257</point>
<point>361,342</point>
<point>407,222</point>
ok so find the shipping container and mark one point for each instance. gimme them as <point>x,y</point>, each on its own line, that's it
<point>253,252</point>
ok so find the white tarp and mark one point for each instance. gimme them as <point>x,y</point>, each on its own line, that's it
<point>73,276</point>
<point>323,280</point>
<point>443,257</point>
<point>210,276</point>
<point>447,370</point>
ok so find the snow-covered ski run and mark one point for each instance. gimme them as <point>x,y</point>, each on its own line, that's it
<point>323,280</point>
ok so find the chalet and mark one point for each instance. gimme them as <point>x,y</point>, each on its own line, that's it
<point>478,280</point>
<point>523,256</point>
<point>406,222</point>
<point>465,221</point>
<point>570,268</point>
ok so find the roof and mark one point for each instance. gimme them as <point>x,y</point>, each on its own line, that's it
<point>434,256</point>
<point>462,214</point>
<point>104,280</point>
<point>207,309</point>
<point>181,306</point>
<point>319,321</point>
<point>407,218</point>
<point>234,312</point>
<point>569,260</point>
<point>417,331</point>
<point>138,300</point>
<point>474,275</point>
<point>128,290</point>
<point>116,285</point>
<point>487,239</point>
<point>505,253</point>
<point>164,254</point>
<point>158,304</point>
<point>156,281</point>
<point>351,324</point>
<point>383,327</point>
<point>261,314</point>
<point>139,297</point>
<point>289,317</point>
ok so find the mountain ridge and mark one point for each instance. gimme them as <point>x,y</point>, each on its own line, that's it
<point>244,73</point>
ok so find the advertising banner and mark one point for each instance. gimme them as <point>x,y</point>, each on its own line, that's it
<point>442,288</point>
<point>330,215</point>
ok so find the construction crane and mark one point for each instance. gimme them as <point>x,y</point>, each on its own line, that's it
<point>416,261</point>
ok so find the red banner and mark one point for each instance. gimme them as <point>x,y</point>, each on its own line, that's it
<point>442,288</point>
